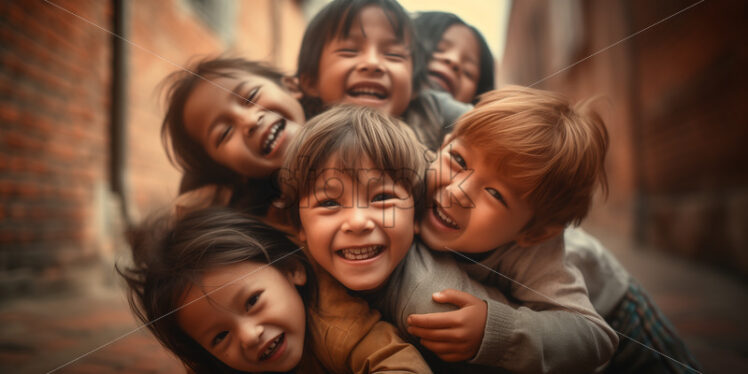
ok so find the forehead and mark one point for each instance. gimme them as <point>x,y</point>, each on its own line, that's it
<point>461,36</point>
<point>373,21</point>
<point>362,171</point>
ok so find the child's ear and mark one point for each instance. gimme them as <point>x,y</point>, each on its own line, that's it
<point>291,84</point>
<point>298,275</point>
<point>538,235</point>
<point>308,86</point>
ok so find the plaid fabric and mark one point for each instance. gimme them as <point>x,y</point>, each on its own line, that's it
<point>639,319</point>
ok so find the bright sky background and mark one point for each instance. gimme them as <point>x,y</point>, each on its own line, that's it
<point>488,16</point>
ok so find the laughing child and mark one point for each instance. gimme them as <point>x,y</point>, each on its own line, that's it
<point>516,171</point>
<point>228,294</point>
<point>459,60</point>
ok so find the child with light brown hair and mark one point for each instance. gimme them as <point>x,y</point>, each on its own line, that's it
<point>514,173</point>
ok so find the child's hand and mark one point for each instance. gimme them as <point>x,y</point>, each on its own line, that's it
<point>456,335</point>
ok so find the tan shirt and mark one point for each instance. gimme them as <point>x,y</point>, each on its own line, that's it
<point>349,337</point>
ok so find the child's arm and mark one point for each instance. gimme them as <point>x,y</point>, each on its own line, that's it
<point>349,337</point>
<point>555,330</point>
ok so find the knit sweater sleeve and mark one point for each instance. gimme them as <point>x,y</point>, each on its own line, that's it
<point>554,329</point>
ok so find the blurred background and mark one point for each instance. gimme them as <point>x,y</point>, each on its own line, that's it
<point>81,156</point>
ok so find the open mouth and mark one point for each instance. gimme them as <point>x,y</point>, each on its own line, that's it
<point>272,347</point>
<point>442,80</point>
<point>368,91</point>
<point>272,136</point>
<point>361,253</point>
<point>443,218</point>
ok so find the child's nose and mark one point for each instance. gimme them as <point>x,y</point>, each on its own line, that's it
<point>371,61</point>
<point>357,220</point>
<point>457,194</point>
<point>249,121</point>
<point>250,333</point>
<point>451,58</point>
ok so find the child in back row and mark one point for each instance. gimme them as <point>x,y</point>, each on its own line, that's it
<point>365,52</point>
<point>354,184</point>
<point>228,294</point>
<point>459,60</point>
<point>515,172</point>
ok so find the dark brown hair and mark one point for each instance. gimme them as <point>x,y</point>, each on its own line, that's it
<point>189,156</point>
<point>353,133</point>
<point>170,255</point>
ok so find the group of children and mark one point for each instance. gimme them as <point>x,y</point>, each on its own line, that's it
<point>386,234</point>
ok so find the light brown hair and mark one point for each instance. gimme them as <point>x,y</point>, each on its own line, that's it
<point>352,134</point>
<point>552,152</point>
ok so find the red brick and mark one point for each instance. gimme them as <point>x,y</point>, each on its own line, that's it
<point>8,113</point>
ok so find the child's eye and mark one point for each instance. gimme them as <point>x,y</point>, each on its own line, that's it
<point>223,135</point>
<point>218,338</point>
<point>497,195</point>
<point>252,300</point>
<point>383,197</point>
<point>251,96</point>
<point>328,203</point>
<point>397,55</point>
<point>456,157</point>
<point>347,51</point>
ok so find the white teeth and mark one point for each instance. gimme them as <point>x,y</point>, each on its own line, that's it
<point>442,216</point>
<point>269,143</point>
<point>271,348</point>
<point>361,253</point>
<point>371,91</point>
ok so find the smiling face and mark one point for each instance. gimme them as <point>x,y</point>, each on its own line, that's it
<point>253,320</point>
<point>369,67</point>
<point>244,122</point>
<point>358,229</point>
<point>455,65</point>
<point>473,208</point>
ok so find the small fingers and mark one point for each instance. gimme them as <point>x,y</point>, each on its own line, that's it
<point>455,297</point>
<point>441,335</point>
<point>433,320</point>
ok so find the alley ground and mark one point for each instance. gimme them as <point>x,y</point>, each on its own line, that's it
<point>95,332</point>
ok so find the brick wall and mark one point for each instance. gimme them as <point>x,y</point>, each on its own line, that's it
<point>58,216</point>
<point>53,135</point>
<point>674,107</point>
